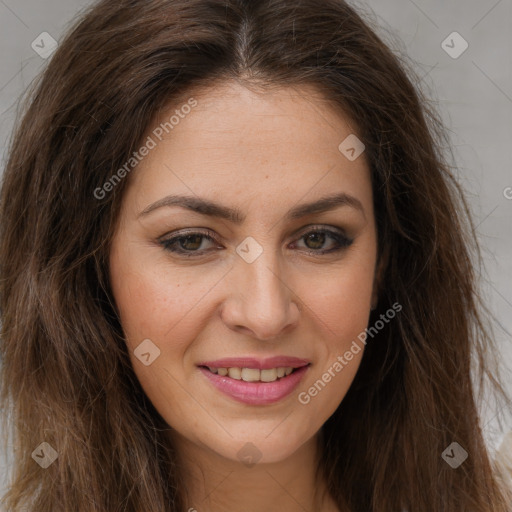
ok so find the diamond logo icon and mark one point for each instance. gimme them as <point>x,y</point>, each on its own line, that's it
<point>146,352</point>
<point>454,45</point>
<point>249,249</point>
<point>352,147</point>
<point>45,455</point>
<point>44,45</point>
<point>454,455</point>
<point>249,455</point>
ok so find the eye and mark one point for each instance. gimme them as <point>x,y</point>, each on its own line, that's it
<point>195,243</point>
<point>315,240</point>
<point>188,244</point>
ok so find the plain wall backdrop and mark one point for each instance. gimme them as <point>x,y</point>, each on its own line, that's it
<point>472,88</point>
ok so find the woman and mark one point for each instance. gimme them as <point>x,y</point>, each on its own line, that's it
<point>237,273</point>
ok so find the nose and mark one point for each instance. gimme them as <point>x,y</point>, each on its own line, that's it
<point>260,300</point>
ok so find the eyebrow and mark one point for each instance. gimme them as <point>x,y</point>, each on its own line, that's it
<point>234,215</point>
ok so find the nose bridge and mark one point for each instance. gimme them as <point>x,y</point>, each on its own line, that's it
<point>261,300</point>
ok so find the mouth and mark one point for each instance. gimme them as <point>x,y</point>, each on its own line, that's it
<point>251,384</point>
<point>253,374</point>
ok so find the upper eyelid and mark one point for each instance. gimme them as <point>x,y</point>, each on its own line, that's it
<point>207,233</point>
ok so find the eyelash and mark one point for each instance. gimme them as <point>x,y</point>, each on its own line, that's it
<point>169,244</point>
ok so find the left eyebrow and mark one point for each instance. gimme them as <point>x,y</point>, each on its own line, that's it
<point>212,209</point>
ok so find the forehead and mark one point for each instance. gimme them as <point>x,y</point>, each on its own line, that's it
<point>281,144</point>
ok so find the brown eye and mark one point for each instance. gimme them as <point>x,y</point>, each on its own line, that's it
<point>191,243</point>
<point>316,239</point>
<point>187,244</point>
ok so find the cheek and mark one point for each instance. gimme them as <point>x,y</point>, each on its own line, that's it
<point>339,307</point>
<point>342,303</point>
<point>339,300</point>
<point>164,308</point>
<point>153,302</point>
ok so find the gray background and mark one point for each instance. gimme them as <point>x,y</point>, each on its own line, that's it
<point>473,93</point>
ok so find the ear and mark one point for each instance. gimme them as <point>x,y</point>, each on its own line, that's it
<point>380,269</point>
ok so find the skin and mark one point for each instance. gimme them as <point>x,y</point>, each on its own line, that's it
<point>263,154</point>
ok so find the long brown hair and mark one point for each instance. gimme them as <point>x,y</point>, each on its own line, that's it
<point>67,378</point>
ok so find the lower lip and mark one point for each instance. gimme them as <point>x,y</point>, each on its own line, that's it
<point>256,393</point>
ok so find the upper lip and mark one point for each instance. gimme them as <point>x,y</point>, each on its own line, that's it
<point>260,364</point>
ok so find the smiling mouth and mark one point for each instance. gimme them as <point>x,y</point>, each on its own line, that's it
<point>253,374</point>
<point>256,386</point>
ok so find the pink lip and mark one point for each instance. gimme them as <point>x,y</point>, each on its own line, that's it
<point>259,364</point>
<point>256,393</point>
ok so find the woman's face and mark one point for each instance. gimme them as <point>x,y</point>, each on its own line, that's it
<point>280,278</point>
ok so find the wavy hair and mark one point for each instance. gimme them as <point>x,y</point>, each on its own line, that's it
<point>67,378</point>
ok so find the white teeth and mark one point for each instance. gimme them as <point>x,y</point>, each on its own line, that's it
<point>235,373</point>
<point>250,374</point>
<point>269,375</point>
<point>253,374</point>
